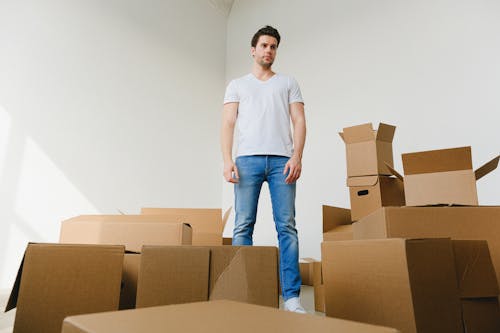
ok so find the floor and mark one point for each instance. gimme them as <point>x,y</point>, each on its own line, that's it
<point>7,319</point>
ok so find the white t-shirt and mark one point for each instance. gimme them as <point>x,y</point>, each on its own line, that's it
<point>263,120</point>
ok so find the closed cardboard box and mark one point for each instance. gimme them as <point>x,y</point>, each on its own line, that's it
<point>216,316</point>
<point>466,223</point>
<point>306,271</point>
<point>173,274</point>
<point>370,193</point>
<point>443,176</point>
<point>60,280</point>
<point>367,150</point>
<point>207,223</point>
<point>407,284</point>
<point>133,231</point>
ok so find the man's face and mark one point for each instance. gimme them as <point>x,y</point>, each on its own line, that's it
<point>265,51</point>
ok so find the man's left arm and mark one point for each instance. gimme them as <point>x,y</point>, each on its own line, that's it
<point>294,164</point>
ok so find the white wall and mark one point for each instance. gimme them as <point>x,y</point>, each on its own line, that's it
<point>105,105</point>
<point>429,67</point>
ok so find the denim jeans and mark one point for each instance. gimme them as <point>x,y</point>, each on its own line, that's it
<point>253,172</point>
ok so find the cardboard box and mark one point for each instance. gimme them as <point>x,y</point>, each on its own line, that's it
<point>133,231</point>
<point>171,275</point>
<point>367,150</point>
<point>336,223</point>
<point>407,284</point>
<point>369,193</point>
<point>58,280</point>
<point>481,315</point>
<point>466,223</point>
<point>227,241</point>
<point>208,224</point>
<point>306,271</point>
<point>442,176</point>
<point>215,316</point>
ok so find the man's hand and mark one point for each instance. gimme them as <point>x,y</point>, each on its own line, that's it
<point>229,168</point>
<point>294,167</point>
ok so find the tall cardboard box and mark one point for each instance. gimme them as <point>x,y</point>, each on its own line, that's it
<point>369,193</point>
<point>368,150</point>
<point>336,223</point>
<point>207,223</point>
<point>58,280</point>
<point>215,316</point>
<point>461,223</point>
<point>133,231</point>
<point>406,284</point>
<point>173,274</point>
<point>306,271</point>
<point>443,176</point>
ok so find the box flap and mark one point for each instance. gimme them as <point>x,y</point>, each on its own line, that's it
<point>394,172</point>
<point>335,216</point>
<point>362,181</point>
<point>246,274</point>
<point>12,302</point>
<point>385,132</point>
<point>225,217</point>
<point>475,273</point>
<point>487,168</point>
<point>358,133</point>
<point>437,161</point>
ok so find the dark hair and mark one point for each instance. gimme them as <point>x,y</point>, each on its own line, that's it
<point>266,31</point>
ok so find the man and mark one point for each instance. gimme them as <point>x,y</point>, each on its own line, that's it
<point>261,104</point>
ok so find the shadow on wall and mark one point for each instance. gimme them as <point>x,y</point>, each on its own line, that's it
<point>35,196</point>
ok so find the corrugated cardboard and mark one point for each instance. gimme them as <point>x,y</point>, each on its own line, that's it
<point>306,271</point>
<point>56,280</point>
<point>369,193</point>
<point>172,275</point>
<point>442,176</point>
<point>207,223</point>
<point>481,315</point>
<point>406,284</point>
<point>244,273</point>
<point>133,231</point>
<point>475,273</point>
<point>466,223</point>
<point>367,150</point>
<point>215,316</point>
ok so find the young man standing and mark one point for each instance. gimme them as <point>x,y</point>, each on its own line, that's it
<point>262,104</point>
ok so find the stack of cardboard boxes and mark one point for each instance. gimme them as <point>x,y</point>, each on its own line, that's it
<point>405,267</point>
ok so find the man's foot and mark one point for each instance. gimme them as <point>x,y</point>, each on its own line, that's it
<point>293,305</point>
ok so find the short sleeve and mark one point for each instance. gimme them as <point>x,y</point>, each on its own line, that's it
<point>294,94</point>
<point>231,95</point>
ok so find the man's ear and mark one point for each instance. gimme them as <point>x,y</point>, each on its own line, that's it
<point>252,51</point>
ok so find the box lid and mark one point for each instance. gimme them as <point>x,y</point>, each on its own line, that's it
<point>365,132</point>
<point>335,216</point>
<point>362,181</point>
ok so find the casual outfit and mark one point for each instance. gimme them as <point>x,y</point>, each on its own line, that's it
<point>264,146</point>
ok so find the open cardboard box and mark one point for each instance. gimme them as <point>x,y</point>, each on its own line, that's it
<point>443,176</point>
<point>337,224</point>
<point>59,280</point>
<point>368,150</point>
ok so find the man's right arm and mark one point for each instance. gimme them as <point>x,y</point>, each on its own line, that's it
<point>229,115</point>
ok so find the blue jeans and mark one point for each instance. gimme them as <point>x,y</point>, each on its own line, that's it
<point>253,172</point>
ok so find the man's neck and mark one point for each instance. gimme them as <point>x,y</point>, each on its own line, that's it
<point>262,73</point>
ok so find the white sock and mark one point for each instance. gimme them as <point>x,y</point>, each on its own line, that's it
<point>293,305</point>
